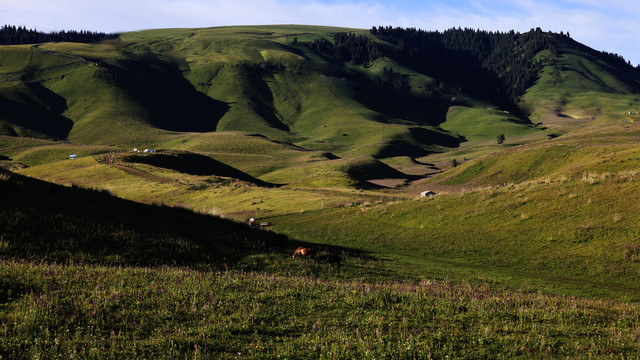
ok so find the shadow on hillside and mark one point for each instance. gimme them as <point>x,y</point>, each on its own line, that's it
<point>431,137</point>
<point>71,225</point>
<point>171,101</point>
<point>615,66</point>
<point>39,111</point>
<point>259,93</point>
<point>364,171</point>
<point>418,143</point>
<point>403,104</point>
<point>196,164</point>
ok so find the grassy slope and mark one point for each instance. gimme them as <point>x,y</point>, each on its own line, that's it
<point>574,200</point>
<point>91,296</point>
<point>559,159</point>
<point>585,86</point>
<point>580,96</point>
<point>104,94</point>
<point>206,193</point>
<point>164,313</point>
<point>485,123</point>
<point>570,236</point>
<point>222,62</point>
<point>255,81</point>
<point>574,193</point>
<point>325,113</point>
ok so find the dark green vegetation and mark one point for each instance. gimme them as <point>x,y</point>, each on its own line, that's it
<point>492,66</point>
<point>529,248</point>
<point>12,35</point>
<point>75,225</point>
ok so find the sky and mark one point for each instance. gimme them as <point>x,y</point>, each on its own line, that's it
<point>611,26</point>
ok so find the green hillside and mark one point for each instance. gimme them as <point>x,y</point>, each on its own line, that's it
<point>168,89</point>
<point>129,169</point>
<point>148,85</point>
<point>579,83</point>
<point>165,282</point>
<point>570,236</point>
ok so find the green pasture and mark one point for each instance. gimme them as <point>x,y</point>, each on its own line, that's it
<point>106,312</point>
<point>209,193</point>
<point>566,235</point>
<point>528,250</point>
<point>164,282</point>
<point>562,158</point>
<point>142,89</point>
<point>581,85</point>
<point>478,123</point>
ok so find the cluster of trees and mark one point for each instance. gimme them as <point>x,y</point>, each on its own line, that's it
<point>12,35</point>
<point>503,61</point>
<point>358,49</point>
<point>500,63</point>
<point>391,79</point>
<point>617,59</point>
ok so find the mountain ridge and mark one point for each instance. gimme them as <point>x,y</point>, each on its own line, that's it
<point>348,92</point>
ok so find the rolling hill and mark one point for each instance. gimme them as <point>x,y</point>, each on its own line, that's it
<point>294,122</point>
<point>528,249</point>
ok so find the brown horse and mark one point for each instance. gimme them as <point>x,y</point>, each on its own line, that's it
<point>303,251</point>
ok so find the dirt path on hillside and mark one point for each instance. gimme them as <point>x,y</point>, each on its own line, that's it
<point>139,173</point>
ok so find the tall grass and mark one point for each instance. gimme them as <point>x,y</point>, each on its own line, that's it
<point>165,313</point>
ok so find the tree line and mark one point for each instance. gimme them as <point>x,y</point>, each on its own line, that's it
<point>12,35</point>
<point>500,65</point>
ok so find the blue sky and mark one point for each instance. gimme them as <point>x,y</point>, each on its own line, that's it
<point>611,25</point>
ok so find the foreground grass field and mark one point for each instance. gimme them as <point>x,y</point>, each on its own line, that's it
<point>76,311</point>
<point>159,282</point>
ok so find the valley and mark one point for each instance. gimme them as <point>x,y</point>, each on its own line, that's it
<point>528,249</point>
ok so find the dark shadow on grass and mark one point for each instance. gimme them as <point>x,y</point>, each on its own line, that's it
<point>170,100</point>
<point>364,171</point>
<point>13,289</point>
<point>196,164</point>
<point>39,111</point>
<point>398,103</point>
<point>432,137</point>
<point>76,225</point>
<point>73,225</point>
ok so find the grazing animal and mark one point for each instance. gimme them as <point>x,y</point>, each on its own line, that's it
<point>330,259</point>
<point>303,251</point>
